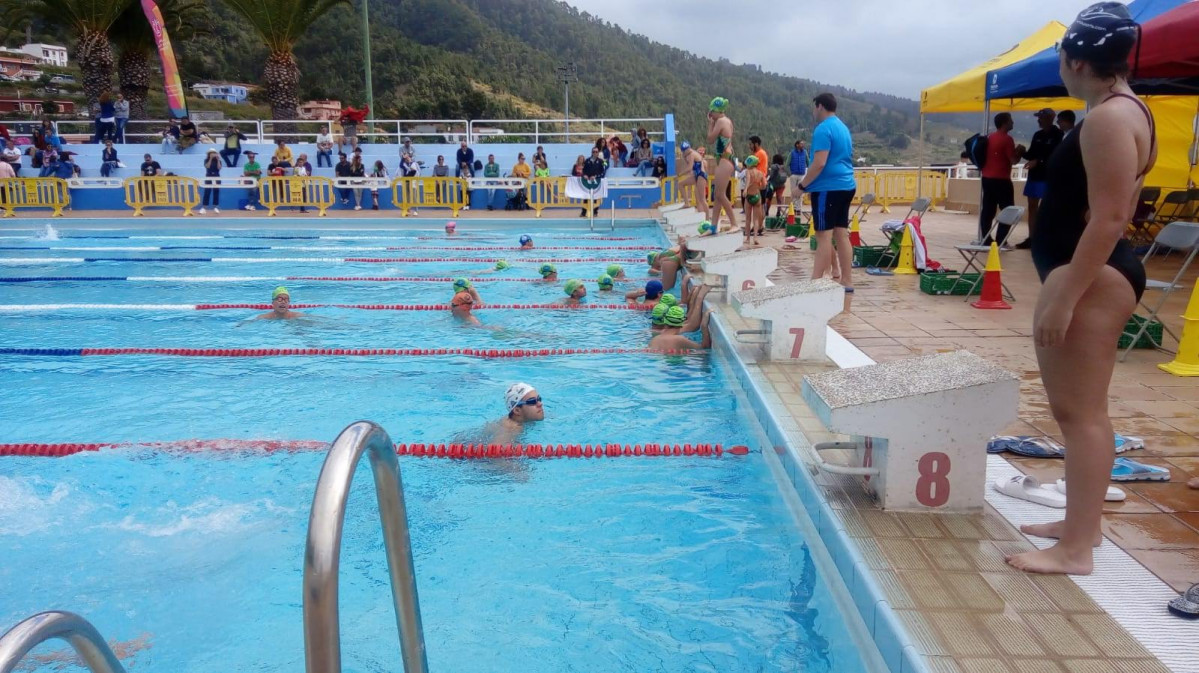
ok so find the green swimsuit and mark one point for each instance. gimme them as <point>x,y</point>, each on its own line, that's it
<point>722,145</point>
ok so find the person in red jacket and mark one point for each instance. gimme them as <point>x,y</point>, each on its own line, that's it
<point>997,190</point>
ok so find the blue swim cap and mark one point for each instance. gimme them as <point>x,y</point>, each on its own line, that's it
<point>525,238</point>
<point>653,289</point>
<point>684,146</point>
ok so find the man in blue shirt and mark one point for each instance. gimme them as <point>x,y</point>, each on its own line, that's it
<point>831,184</point>
<point>798,166</point>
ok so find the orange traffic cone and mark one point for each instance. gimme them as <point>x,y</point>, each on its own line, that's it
<point>790,214</point>
<point>992,296</point>
<point>855,231</point>
<point>1186,363</point>
<point>906,266</point>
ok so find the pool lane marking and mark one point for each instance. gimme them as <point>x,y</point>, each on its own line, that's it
<point>17,308</point>
<point>416,450</point>
<point>486,353</point>
<point>273,279</point>
<point>320,260</point>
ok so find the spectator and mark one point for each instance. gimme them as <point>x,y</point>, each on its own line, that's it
<point>54,141</point>
<point>1043,143</point>
<point>540,170</point>
<point>108,159</point>
<point>233,141</point>
<point>302,169</point>
<point>342,170</point>
<point>407,166</point>
<point>379,171</point>
<point>1065,122</point>
<point>4,133</point>
<point>339,137</point>
<point>659,168</point>
<point>641,135</point>
<point>576,171</point>
<point>188,135</point>
<point>212,195</point>
<point>252,169</point>
<point>491,170</point>
<point>282,156</point>
<point>170,136</point>
<point>349,128</point>
<point>441,170</point>
<point>618,155</point>
<point>107,128</point>
<point>776,180</point>
<point>464,159</point>
<point>121,107</point>
<point>6,171</point>
<point>521,169</point>
<point>11,156</point>
<point>466,171</point>
<point>539,155</point>
<point>643,158</point>
<point>593,172</point>
<point>961,170</point>
<point>755,148</point>
<point>831,182</point>
<point>358,170</point>
<point>605,151</point>
<point>150,167</point>
<point>48,162</point>
<point>406,147</point>
<point>66,168</point>
<point>997,191</point>
<point>37,140</point>
<point>324,147</point>
<point>798,165</point>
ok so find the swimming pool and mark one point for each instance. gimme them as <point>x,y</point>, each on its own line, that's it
<point>671,564</point>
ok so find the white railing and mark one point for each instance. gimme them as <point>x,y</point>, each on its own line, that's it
<point>543,130</point>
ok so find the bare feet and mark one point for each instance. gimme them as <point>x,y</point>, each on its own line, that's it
<point>1193,482</point>
<point>1054,560</point>
<point>1050,530</point>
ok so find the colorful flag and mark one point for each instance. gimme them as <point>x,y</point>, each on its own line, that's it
<point>172,86</point>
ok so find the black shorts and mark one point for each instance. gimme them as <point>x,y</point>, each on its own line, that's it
<point>831,209</point>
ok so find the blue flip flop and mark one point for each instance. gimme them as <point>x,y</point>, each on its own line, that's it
<point>1130,470</point>
<point>1023,445</point>
<point>875,271</point>
<point>1186,605</point>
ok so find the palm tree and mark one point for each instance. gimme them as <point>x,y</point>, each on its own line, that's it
<point>134,39</point>
<point>89,20</point>
<point>280,24</point>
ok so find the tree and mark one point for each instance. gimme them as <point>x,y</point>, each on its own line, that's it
<point>134,39</point>
<point>280,24</point>
<point>89,21</point>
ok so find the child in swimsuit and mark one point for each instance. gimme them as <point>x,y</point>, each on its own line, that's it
<point>755,182</point>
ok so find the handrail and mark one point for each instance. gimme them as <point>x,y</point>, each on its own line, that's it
<point>77,631</point>
<point>322,630</point>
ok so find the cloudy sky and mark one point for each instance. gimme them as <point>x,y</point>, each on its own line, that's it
<point>893,46</point>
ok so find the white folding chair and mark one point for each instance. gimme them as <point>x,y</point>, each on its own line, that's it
<point>1008,217</point>
<point>1180,236</point>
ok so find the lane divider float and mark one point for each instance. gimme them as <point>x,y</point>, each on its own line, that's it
<point>485,353</point>
<point>265,307</point>
<point>330,248</point>
<point>318,238</point>
<point>321,260</point>
<point>416,450</point>
<point>275,279</point>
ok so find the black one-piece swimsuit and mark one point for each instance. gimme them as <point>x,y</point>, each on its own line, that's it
<point>1062,219</point>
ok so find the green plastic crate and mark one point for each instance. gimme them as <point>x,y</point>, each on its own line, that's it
<point>869,255</point>
<point>1152,338</point>
<point>797,230</point>
<point>942,283</point>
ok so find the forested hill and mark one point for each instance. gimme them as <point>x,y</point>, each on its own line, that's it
<point>453,59</point>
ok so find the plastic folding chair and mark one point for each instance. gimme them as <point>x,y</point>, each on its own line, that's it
<point>1173,207</point>
<point>1143,216</point>
<point>1180,236</point>
<point>861,211</point>
<point>919,208</point>
<point>1008,217</point>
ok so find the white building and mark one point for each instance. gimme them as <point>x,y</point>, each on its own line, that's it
<point>51,54</point>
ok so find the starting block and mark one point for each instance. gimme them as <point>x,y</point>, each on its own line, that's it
<point>685,217</point>
<point>742,270</point>
<point>919,425</point>
<point>671,207</point>
<point>714,244</point>
<point>798,314</point>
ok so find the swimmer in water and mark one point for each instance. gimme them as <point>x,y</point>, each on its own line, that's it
<point>526,242</point>
<point>650,296</point>
<point>460,308</point>
<point>524,408</point>
<point>548,272</point>
<point>280,307</point>
<point>720,132</point>
<point>605,283</point>
<point>464,285</point>
<point>451,228</point>
<point>671,337</point>
<point>694,309</point>
<point>657,317</point>
<point>501,265</point>
<point>616,271</point>
<point>669,262</point>
<point>575,292</point>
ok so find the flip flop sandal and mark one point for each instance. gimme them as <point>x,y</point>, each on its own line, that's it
<point>1025,487</point>
<point>1130,470</point>
<point>1038,447</point>
<point>1113,494</point>
<point>1126,443</point>
<point>875,271</point>
<point>1186,605</point>
<point>1000,443</point>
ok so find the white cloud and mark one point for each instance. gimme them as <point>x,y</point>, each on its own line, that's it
<point>893,46</point>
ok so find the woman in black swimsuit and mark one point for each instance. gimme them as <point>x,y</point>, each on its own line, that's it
<point>1092,280</point>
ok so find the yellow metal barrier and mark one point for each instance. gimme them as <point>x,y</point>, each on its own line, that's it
<point>551,193</point>
<point>670,192</point>
<point>904,186</point>
<point>276,192</point>
<point>50,193</point>
<point>162,192</point>
<point>411,193</point>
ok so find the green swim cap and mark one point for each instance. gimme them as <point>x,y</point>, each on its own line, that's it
<point>461,285</point>
<point>572,285</point>
<point>278,291</point>
<point>502,264</point>
<point>546,270</point>
<point>604,281</point>
<point>669,299</point>
<point>614,270</point>
<point>649,259</point>
<point>706,227</point>
<point>751,161</point>
<point>718,104</point>
<point>675,316</point>
<point>658,313</point>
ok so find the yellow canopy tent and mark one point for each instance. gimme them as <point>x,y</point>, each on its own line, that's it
<point>967,91</point>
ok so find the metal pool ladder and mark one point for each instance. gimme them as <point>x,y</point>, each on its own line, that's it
<point>82,636</point>
<point>322,630</point>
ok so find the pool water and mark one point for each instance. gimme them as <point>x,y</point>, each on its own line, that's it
<point>663,564</point>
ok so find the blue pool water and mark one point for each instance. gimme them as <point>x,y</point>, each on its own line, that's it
<point>668,564</point>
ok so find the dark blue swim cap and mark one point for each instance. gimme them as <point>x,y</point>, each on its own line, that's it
<point>653,289</point>
<point>1102,33</point>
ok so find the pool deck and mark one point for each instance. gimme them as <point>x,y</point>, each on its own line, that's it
<point>944,576</point>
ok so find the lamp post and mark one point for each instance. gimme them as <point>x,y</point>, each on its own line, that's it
<point>366,61</point>
<point>566,74</point>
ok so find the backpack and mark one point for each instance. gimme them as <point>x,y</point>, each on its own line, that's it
<point>976,148</point>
